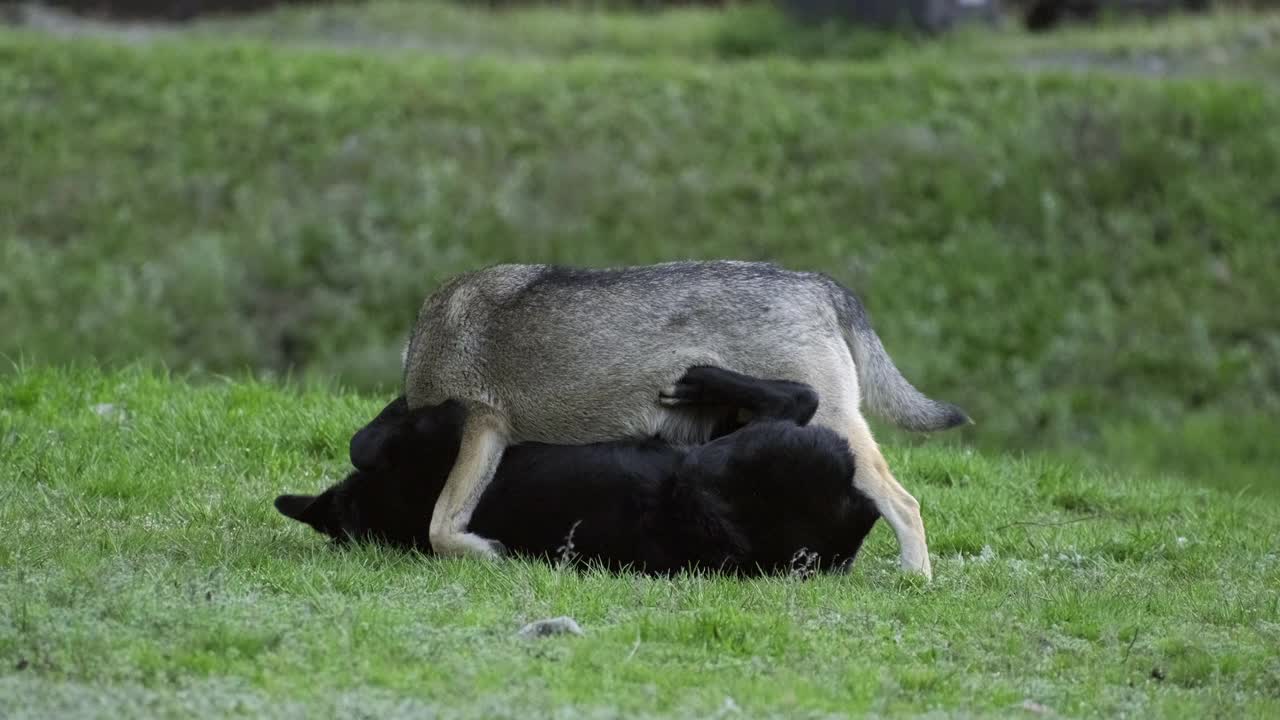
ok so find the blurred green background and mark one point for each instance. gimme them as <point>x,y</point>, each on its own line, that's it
<point>1073,234</point>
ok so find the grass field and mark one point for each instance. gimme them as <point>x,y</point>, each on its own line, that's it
<point>145,572</point>
<point>1073,237</point>
<point>1082,260</point>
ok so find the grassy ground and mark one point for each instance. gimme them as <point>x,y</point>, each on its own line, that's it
<point>143,571</point>
<point>1073,237</point>
<point>1231,44</point>
<point>1081,260</point>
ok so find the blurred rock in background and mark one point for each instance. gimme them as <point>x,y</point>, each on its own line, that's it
<point>166,10</point>
<point>930,16</point>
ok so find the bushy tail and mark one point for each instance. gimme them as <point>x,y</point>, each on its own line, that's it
<point>884,390</point>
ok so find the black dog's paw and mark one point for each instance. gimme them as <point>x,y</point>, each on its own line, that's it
<point>683,393</point>
<point>700,385</point>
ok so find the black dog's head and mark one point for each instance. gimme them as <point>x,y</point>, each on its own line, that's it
<point>789,491</point>
<point>402,459</point>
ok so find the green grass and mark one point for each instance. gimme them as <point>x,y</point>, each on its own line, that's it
<point>454,29</point>
<point>1229,43</point>
<point>143,571</point>
<point>1084,262</point>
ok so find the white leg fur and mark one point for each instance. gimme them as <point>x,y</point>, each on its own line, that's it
<point>899,508</point>
<point>484,440</point>
<point>837,386</point>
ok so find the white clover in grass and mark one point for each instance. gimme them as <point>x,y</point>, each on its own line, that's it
<point>1071,557</point>
<point>110,411</point>
<point>986,555</point>
<point>729,707</point>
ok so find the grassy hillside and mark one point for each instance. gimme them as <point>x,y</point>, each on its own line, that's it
<point>1231,43</point>
<point>1085,262</point>
<point>143,571</point>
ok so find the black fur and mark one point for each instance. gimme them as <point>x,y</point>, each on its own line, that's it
<point>745,503</point>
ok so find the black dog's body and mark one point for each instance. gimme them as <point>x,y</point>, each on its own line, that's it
<point>747,502</point>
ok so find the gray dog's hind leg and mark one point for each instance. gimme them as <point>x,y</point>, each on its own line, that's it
<point>896,505</point>
<point>837,385</point>
<point>484,440</point>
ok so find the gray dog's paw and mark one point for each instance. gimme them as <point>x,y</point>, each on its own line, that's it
<point>467,545</point>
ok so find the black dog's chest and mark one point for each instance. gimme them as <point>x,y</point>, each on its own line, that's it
<point>593,500</point>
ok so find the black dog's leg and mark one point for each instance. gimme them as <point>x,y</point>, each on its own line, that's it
<point>764,399</point>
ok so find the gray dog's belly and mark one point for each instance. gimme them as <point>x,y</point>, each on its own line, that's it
<point>576,363</point>
<point>619,397</point>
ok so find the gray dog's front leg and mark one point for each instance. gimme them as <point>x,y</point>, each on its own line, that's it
<point>484,440</point>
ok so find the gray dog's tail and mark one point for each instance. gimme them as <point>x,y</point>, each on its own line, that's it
<point>884,390</point>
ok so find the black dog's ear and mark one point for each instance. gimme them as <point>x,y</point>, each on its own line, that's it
<point>302,508</point>
<point>369,444</point>
<point>321,512</point>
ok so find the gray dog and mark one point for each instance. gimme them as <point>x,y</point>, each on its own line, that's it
<point>550,354</point>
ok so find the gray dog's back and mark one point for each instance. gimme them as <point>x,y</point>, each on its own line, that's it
<point>580,355</point>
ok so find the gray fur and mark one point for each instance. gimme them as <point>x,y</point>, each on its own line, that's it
<point>576,356</point>
<point>886,392</point>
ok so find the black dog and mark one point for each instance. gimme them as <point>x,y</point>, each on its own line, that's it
<point>758,499</point>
